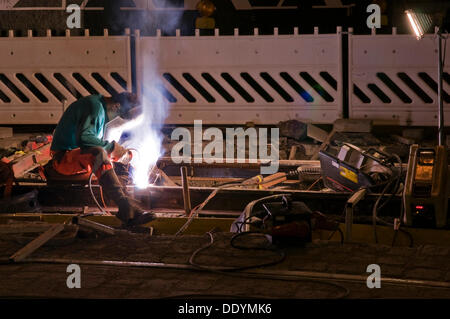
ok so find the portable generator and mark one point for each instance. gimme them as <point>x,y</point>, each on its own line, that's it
<point>287,221</point>
<point>426,188</point>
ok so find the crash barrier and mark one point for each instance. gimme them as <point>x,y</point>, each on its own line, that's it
<point>41,76</point>
<point>393,79</point>
<point>227,79</point>
<point>237,78</point>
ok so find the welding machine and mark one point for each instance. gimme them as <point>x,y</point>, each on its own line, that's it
<point>352,168</point>
<point>426,187</point>
<point>291,221</point>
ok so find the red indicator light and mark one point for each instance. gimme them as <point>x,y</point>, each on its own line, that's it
<point>419,207</point>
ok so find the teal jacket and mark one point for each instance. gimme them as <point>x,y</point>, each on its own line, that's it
<point>82,125</point>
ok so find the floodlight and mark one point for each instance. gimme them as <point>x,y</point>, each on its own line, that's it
<point>420,22</point>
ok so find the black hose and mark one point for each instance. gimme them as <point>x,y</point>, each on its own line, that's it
<point>375,209</point>
<point>281,254</point>
<point>229,271</point>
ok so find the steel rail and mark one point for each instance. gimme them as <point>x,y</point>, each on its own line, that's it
<point>257,273</point>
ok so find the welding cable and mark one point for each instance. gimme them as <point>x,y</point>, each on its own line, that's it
<point>235,271</point>
<point>247,233</point>
<point>246,221</point>
<point>375,211</point>
<point>397,184</point>
<point>198,208</point>
<point>103,201</point>
<point>377,206</point>
<point>397,179</point>
<point>239,224</point>
<point>243,223</point>
<point>338,228</point>
<point>93,196</point>
<point>408,234</point>
<point>280,253</point>
<point>195,212</point>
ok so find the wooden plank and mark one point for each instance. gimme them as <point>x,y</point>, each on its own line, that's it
<point>36,243</point>
<point>94,225</point>
<point>316,133</point>
<point>293,152</point>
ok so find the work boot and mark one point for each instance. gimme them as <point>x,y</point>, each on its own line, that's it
<point>131,214</point>
<point>129,211</point>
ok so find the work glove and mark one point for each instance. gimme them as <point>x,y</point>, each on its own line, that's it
<point>118,152</point>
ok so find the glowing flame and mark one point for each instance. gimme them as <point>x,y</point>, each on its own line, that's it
<point>149,150</point>
<point>146,140</point>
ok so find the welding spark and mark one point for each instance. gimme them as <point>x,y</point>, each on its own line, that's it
<point>149,151</point>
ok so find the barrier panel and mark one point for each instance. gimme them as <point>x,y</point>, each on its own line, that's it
<point>227,79</point>
<point>236,79</point>
<point>393,79</point>
<point>41,76</point>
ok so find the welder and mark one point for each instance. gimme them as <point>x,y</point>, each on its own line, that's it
<point>78,146</point>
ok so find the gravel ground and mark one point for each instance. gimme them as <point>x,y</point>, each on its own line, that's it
<point>41,280</point>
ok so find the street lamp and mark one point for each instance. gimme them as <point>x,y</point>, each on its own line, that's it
<point>420,24</point>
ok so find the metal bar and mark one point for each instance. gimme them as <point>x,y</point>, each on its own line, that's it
<point>36,243</point>
<point>351,203</point>
<point>256,273</point>
<point>166,180</point>
<point>186,193</point>
<point>247,163</point>
<point>440,101</point>
<point>231,199</point>
<point>93,225</point>
<point>340,74</point>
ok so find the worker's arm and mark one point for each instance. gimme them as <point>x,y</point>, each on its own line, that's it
<point>91,127</point>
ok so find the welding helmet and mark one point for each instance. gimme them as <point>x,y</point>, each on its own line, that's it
<point>129,105</point>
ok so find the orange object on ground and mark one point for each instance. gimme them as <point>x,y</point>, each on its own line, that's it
<point>74,162</point>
